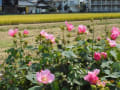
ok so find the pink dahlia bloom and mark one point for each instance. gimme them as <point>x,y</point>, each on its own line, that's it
<point>45,76</point>
<point>25,32</point>
<point>30,63</point>
<point>15,31</point>
<point>115,29</point>
<point>43,33</point>
<point>112,43</point>
<point>104,54</point>
<point>96,71</point>
<point>51,38</point>
<point>114,35</point>
<point>98,38</point>
<point>82,29</point>
<point>70,27</point>
<point>92,77</point>
<point>97,56</point>
<point>48,36</point>
<point>12,32</point>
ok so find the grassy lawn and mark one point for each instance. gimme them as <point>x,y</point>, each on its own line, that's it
<point>40,18</point>
<point>53,28</point>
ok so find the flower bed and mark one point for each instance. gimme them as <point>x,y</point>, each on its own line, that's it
<point>57,63</point>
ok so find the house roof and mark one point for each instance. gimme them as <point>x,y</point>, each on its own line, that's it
<point>42,5</point>
<point>25,3</point>
<point>34,1</point>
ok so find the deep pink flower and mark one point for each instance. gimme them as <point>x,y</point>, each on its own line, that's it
<point>97,56</point>
<point>104,54</point>
<point>25,32</point>
<point>98,38</point>
<point>112,43</point>
<point>92,77</point>
<point>114,35</point>
<point>45,76</point>
<point>70,27</point>
<point>12,32</point>
<point>82,29</point>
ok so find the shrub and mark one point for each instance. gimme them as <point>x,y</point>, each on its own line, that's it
<point>59,64</point>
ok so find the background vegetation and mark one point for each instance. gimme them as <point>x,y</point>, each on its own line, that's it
<point>39,18</point>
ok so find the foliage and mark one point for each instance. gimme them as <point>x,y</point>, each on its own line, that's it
<point>69,62</point>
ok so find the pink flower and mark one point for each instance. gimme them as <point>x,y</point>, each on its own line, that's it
<point>30,63</point>
<point>52,38</point>
<point>69,26</point>
<point>116,30</point>
<point>92,77</point>
<point>114,35</point>
<point>97,56</point>
<point>96,71</point>
<point>25,32</point>
<point>16,30</point>
<point>104,54</point>
<point>43,33</point>
<point>112,43</point>
<point>98,38</point>
<point>45,76</point>
<point>82,29</point>
<point>12,32</point>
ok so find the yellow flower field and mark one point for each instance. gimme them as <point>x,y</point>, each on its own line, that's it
<point>38,18</point>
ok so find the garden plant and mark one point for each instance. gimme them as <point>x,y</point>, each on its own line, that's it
<point>63,62</point>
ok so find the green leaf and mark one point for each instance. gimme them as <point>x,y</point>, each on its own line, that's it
<point>116,66</point>
<point>13,88</point>
<point>31,77</point>
<point>114,54</point>
<point>81,42</point>
<point>93,87</point>
<point>107,71</point>
<point>64,88</point>
<point>55,85</point>
<point>107,88</point>
<point>69,54</point>
<point>114,75</point>
<point>35,88</point>
<point>118,84</point>
<point>106,64</point>
<point>76,82</point>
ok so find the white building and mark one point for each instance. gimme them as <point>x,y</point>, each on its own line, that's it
<point>68,5</point>
<point>32,7</point>
<point>104,5</point>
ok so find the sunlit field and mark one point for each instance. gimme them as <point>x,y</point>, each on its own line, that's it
<point>43,18</point>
